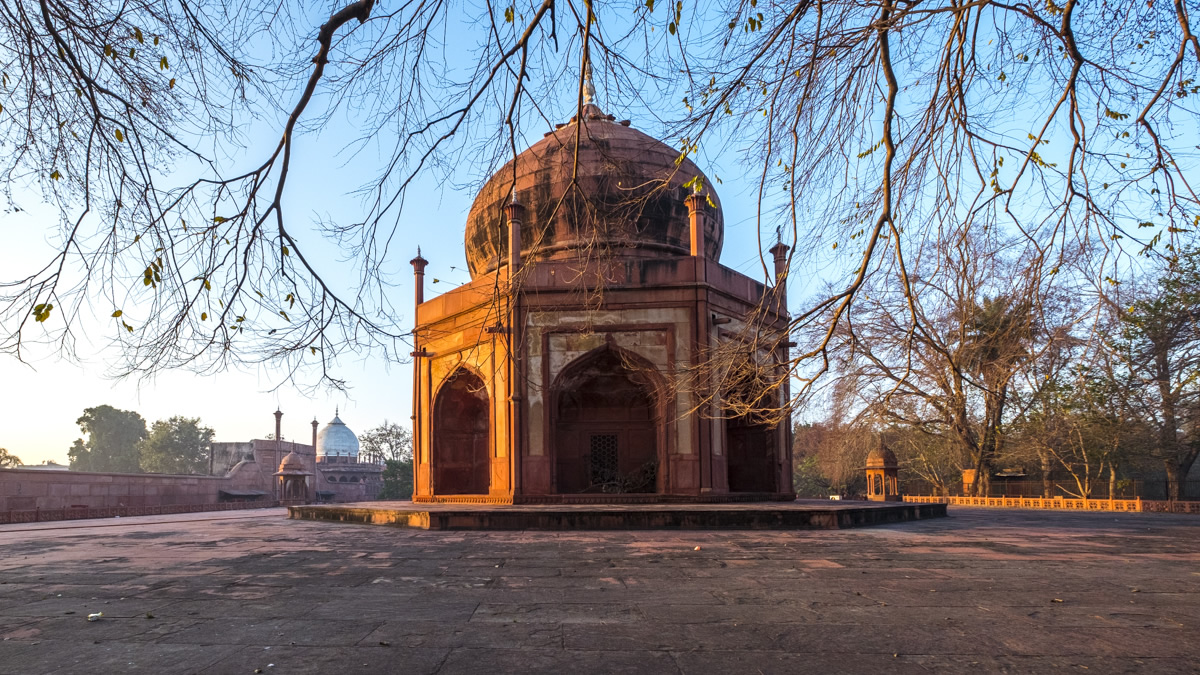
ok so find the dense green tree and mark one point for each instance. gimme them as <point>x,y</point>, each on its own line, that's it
<point>112,443</point>
<point>397,479</point>
<point>176,445</point>
<point>388,441</point>
<point>8,460</point>
<point>391,445</point>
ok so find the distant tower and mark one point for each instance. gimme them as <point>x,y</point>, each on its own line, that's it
<point>275,456</point>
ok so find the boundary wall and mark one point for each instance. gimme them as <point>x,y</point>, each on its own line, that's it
<point>35,489</point>
<point>80,513</point>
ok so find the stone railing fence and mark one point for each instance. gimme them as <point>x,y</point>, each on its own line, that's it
<point>1061,503</point>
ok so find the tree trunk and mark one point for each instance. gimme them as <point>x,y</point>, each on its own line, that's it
<point>1112,481</point>
<point>1174,479</point>
<point>1047,484</point>
<point>983,470</point>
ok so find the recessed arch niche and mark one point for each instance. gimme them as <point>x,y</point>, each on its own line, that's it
<point>607,427</point>
<point>461,436</point>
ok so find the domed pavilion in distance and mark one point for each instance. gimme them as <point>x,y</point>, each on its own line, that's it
<point>572,367</point>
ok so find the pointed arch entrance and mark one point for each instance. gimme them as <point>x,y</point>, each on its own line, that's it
<point>461,436</point>
<point>607,429</point>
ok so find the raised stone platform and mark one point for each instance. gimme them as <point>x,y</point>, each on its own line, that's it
<point>799,515</point>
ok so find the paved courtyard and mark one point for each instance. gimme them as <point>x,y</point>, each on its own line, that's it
<point>248,592</point>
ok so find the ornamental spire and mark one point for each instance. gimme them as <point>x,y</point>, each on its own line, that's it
<point>589,89</point>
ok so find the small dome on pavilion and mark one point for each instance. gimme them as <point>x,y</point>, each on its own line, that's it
<point>292,463</point>
<point>882,458</point>
<point>335,439</point>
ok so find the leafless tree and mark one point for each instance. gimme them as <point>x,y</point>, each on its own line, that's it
<point>949,372</point>
<point>874,127</point>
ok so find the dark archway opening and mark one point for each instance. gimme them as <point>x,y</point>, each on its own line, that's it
<point>461,432</point>
<point>750,445</point>
<point>606,435</point>
<point>750,435</point>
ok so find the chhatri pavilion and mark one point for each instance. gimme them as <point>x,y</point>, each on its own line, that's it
<point>577,364</point>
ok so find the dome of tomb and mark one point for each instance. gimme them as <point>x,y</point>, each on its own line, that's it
<point>882,458</point>
<point>592,186</point>
<point>336,440</point>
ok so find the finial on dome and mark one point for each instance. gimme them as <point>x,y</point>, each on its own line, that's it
<point>589,89</point>
<point>336,411</point>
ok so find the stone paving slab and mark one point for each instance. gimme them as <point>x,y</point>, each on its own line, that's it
<point>980,591</point>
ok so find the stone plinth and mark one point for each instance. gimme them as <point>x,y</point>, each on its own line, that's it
<point>816,515</point>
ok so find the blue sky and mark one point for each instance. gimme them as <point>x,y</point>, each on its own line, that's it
<point>41,400</point>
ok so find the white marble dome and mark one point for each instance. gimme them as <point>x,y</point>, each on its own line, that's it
<point>336,440</point>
